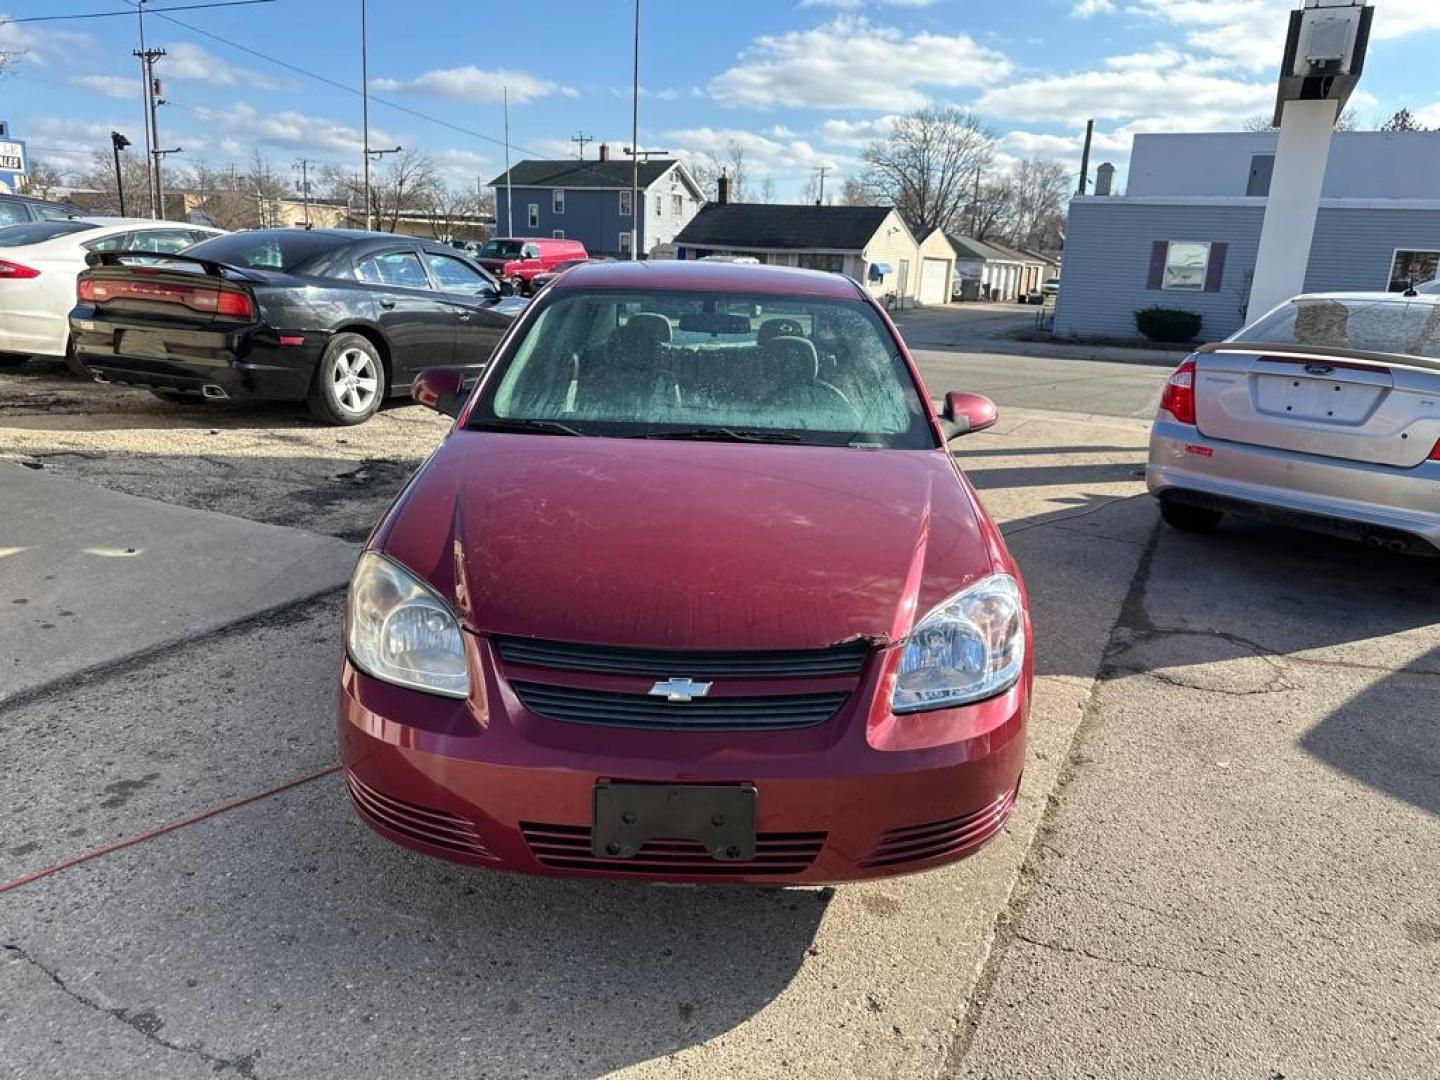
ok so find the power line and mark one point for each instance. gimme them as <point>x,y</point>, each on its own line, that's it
<point>337,84</point>
<point>153,11</point>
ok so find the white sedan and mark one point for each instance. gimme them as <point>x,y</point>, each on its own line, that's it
<point>40,260</point>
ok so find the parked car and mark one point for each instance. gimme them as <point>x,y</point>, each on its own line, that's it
<point>17,209</point>
<point>539,281</point>
<point>692,598</point>
<point>518,260</point>
<point>40,261</point>
<point>1324,414</point>
<point>337,318</point>
<point>1051,287</point>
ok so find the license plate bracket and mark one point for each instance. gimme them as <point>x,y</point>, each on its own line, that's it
<point>720,817</point>
<point>143,343</point>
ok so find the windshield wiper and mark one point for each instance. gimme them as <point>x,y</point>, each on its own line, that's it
<point>720,434</point>
<point>538,427</point>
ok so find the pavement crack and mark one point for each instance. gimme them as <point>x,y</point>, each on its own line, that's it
<point>145,1022</point>
<point>1123,961</point>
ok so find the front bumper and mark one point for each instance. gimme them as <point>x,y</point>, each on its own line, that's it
<point>246,362</point>
<point>1394,506</point>
<point>486,782</point>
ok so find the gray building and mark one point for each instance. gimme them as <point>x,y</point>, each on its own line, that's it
<point>1186,232</point>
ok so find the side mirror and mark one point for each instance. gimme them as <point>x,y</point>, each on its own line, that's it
<point>965,413</point>
<point>507,288</point>
<point>441,389</point>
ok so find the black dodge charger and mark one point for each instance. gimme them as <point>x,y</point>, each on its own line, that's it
<point>336,318</point>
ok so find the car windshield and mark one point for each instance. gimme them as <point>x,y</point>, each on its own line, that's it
<point>37,232</point>
<point>501,249</point>
<point>1382,325</point>
<point>280,250</point>
<point>692,365</point>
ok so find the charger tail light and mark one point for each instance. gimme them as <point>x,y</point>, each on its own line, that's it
<point>13,271</point>
<point>1179,397</point>
<point>207,299</point>
<point>1435,452</point>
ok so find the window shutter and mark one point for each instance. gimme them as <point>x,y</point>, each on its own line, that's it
<point>1158,250</point>
<point>1216,270</point>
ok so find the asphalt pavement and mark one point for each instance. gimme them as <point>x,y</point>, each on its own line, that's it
<point>1222,862</point>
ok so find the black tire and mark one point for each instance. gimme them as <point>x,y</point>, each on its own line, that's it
<point>1194,519</point>
<point>73,363</point>
<point>12,359</point>
<point>349,382</point>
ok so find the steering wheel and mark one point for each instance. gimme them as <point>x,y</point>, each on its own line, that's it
<point>786,328</point>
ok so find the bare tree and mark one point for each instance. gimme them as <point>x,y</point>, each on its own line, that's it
<point>99,178</point>
<point>708,167</point>
<point>987,214</point>
<point>926,165</point>
<point>42,180</point>
<point>448,209</point>
<point>1346,121</point>
<point>1039,193</point>
<point>405,186</point>
<point>221,197</point>
<point>767,191</point>
<point>1403,120</point>
<point>854,193</point>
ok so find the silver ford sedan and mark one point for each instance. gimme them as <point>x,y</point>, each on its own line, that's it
<point>1324,415</point>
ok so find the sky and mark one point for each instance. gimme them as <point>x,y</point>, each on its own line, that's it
<point>799,84</point>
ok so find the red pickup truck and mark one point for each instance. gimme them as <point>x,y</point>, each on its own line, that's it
<point>519,259</point>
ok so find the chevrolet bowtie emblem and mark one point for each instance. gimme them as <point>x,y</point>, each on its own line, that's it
<point>680,689</point>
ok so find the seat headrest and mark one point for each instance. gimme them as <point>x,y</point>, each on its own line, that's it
<point>792,360</point>
<point>644,329</point>
<point>773,328</point>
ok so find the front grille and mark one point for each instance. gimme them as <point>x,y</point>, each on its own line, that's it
<point>577,705</point>
<point>420,823</point>
<point>567,847</point>
<point>935,839</point>
<point>845,659</point>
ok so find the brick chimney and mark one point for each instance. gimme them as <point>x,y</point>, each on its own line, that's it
<point>1104,179</point>
<point>722,187</point>
<point>604,151</point>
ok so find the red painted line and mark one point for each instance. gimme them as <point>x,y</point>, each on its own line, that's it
<point>131,841</point>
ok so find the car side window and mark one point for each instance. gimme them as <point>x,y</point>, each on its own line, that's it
<point>12,212</point>
<point>530,251</point>
<point>118,242</point>
<point>455,274</point>
<point>53,213</point>
<point>162,241</point>
<point>393,268</point>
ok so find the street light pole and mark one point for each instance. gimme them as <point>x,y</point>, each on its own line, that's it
<point>119,142</point>
<point>635,145</point>
<point>509,197</point>
<point>365,113</point>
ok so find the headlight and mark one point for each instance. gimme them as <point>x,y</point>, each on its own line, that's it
<point>968,648</point>
<point>402,632</point>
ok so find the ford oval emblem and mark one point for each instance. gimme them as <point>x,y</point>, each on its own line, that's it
<point>1320,369</point>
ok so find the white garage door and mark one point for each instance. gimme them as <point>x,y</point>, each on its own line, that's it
<point>933,273</point>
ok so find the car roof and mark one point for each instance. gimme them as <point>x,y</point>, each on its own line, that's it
<point>1373,297</point>
<point>695,276</point>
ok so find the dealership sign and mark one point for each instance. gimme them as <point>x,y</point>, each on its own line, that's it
<point>12,156</point>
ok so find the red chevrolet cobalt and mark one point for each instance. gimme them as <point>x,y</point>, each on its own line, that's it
<point>692,591</point>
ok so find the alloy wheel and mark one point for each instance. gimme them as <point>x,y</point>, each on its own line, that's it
<point>355,379</point>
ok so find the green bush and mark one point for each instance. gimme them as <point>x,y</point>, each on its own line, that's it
<point>1170,325</point>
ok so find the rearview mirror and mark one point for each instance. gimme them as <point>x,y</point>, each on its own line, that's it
<point>965,413</point>
<point>441,389</point>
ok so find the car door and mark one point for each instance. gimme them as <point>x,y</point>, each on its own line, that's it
<point>472,295</point>
<point>418,321</point>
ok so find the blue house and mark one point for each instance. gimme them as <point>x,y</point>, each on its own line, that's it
<point>589,201</point>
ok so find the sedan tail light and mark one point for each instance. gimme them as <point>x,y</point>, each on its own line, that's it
<point>13,270</point>
<point>1434,452</point>
<point>206,299</point>
<point>1179,397</point>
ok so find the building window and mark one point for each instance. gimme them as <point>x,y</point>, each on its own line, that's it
<point>534,217</point>
<point>1186,265</point>
<point>557,234</point>
<point>557,200</point>
<point>835,264</point>
<point>624,243</point>
<point>1413,268</point>
<point>1262,167</point>
<point>625,208</point>
<point>679,204</point>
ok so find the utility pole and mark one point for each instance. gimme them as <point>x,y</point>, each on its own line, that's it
<point>365,113</point>
<point>580,139</point>
<point>119,142</point>
<point>975,206</point>
<point>152,136</point>
<point>378,154</point>
<point>1085,156</point>
<point>145,101</point>
<point>822,170</point>
<point>635,145</point>
<point>304,166</point>
<point>159,190</point>
<point>157,99</point>
<point>509,198</point>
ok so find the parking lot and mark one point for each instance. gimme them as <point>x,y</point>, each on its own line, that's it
<point>1222,862</point>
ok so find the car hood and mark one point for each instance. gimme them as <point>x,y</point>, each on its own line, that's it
<point>688,545</point>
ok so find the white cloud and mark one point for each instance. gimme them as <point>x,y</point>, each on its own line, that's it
<point>291,129</point>
<point>763,156</point>
<point>463,168</point>
<point>42,45</point>
<point>185,61</point>
<point>850,63</point>
<point>856,134</point>
<point>855,5</point>
<point>113,86</point>
<point>471,83</point>
<point>1083,9</point>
